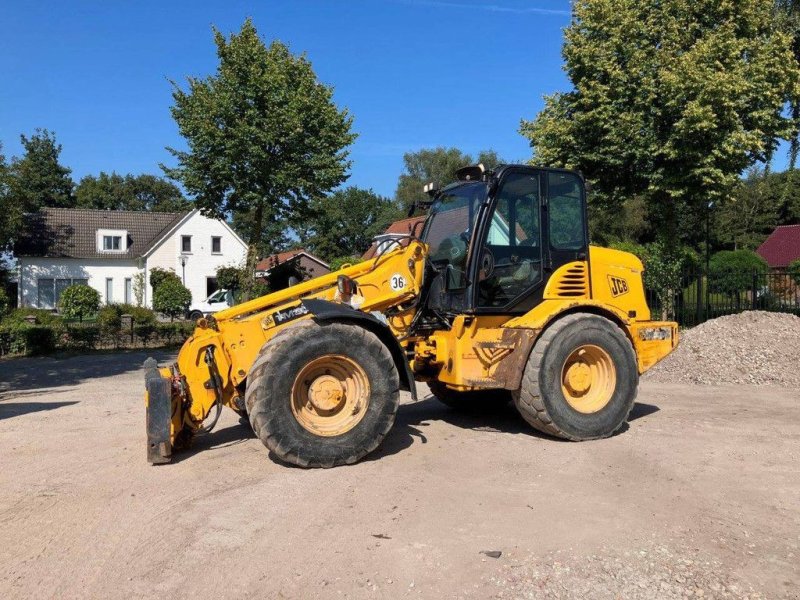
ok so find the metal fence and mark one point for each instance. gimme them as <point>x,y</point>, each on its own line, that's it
<point>694,296</point>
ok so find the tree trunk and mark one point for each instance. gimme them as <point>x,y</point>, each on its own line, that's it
<point>795,143</point>
<point>252,250</point>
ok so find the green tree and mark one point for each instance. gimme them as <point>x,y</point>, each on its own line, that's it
<point>734,271</point>
<point>760,202</point>
<point>671,101</point>
<point>171,298</point>
<point>37,179</point>
<point>130,192</point>
<point>159,276</point>
<point>230,277</point>
<point>5,303</point>
<point>7,212</point>
<point>794,271</point>
<point>79,301</point>
<point>338,262</point>
<point>438,165</point>
<point>344,223</point>
<point>264,137</point>
<point>788,19</point>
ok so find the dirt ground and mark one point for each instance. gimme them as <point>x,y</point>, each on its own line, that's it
<point>699,497</point>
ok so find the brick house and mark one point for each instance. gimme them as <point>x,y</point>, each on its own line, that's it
<point>284,269</point>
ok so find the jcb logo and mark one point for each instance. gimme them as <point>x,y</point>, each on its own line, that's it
<point>618,286</point>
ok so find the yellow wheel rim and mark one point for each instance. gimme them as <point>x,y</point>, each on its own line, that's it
<point>588,379</point>
<point>330,395</point>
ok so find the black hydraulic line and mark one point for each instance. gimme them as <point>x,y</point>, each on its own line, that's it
<point>216,384</point>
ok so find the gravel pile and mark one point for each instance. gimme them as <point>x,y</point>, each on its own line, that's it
<point>753,347</point>
<point>652,572</point>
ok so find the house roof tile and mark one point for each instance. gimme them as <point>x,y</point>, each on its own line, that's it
<point>72,232</point>
<point>782,246</point>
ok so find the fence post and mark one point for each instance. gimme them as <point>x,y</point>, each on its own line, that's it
<point>699,299</point>
<point>754,300</point>
<point>127,323</point>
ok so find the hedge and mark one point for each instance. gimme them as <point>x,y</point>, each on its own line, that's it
<point>19,337</point>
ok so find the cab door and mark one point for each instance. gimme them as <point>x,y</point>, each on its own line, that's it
<point>510,256</point>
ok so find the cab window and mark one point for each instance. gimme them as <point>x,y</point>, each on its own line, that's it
<point>511,254</point>
<point>565,207</point>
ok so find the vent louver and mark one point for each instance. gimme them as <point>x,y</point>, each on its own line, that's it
<point>572,282</point>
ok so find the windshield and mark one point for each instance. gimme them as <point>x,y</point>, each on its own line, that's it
<point>449,227</point>
<point>217,296</point>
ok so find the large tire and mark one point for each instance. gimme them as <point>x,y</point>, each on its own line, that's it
<point>477,401</point>
<point>303,433</point>
<point>546,399</point>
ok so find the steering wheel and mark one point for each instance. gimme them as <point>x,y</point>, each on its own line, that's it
<point>487,265</point>
<point>452,249</point>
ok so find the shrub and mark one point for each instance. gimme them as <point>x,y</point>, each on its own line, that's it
<point>83,337</point>
<point>144,331</point>
<point>140,314</point>
<point>733,271</point>
<point>159,276</point>
<point>33,339</point>
<point>794,271</point>
<point>43,317</point>
<point>5,303</point>
<point>172,298</point>
<point>78,301</point>
<point>109,319</point>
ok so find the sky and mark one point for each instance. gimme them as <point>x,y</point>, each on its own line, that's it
<point>413,73</point>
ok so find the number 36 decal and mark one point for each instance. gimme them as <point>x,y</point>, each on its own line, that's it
<point>397,282</point>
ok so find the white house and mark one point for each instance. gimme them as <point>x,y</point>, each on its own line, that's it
<point>114,252</point>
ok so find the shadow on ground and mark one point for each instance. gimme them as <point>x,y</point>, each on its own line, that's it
<point>409,428</point>
<point>16,409</point>
<point>21,376</point>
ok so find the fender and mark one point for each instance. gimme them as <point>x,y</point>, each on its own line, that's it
<point>324,310</point>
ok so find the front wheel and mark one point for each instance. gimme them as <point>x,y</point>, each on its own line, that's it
<point>581,379</point>
<point>323,394</point>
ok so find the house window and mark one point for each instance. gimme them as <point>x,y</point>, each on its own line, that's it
<point>112,243</point>
<point>216,245</point>
<point>45,293</point>
<point>109,290</point>
<point>128,290</point>
<point>48,291</point>
<point>186,243</point>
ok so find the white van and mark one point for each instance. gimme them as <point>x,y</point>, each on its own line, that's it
<point>219,300</point>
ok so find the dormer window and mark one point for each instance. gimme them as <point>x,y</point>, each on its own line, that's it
<point>112,240</point>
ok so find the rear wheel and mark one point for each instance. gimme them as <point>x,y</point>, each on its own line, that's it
<point>476,401</point>
<point>581,379</point>
<point>322,394</point>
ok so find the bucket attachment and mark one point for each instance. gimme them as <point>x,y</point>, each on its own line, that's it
<point>158,403</point>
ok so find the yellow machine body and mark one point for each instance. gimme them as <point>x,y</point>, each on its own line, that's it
<point>477,352</point>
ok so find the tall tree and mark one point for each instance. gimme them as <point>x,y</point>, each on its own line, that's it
<point>264,137</point>
<point>438,165</point>
<point>788,16</point>
<point>37,179</point>
<point>129,192</point>
<point>671,101</point>
<point>7,213</point>
<point>344,223</point>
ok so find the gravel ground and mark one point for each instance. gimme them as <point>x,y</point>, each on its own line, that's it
<point>696,498</point>
<point>753,347</point>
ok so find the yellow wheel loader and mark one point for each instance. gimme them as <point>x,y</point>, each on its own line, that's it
<point>498,298</point>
